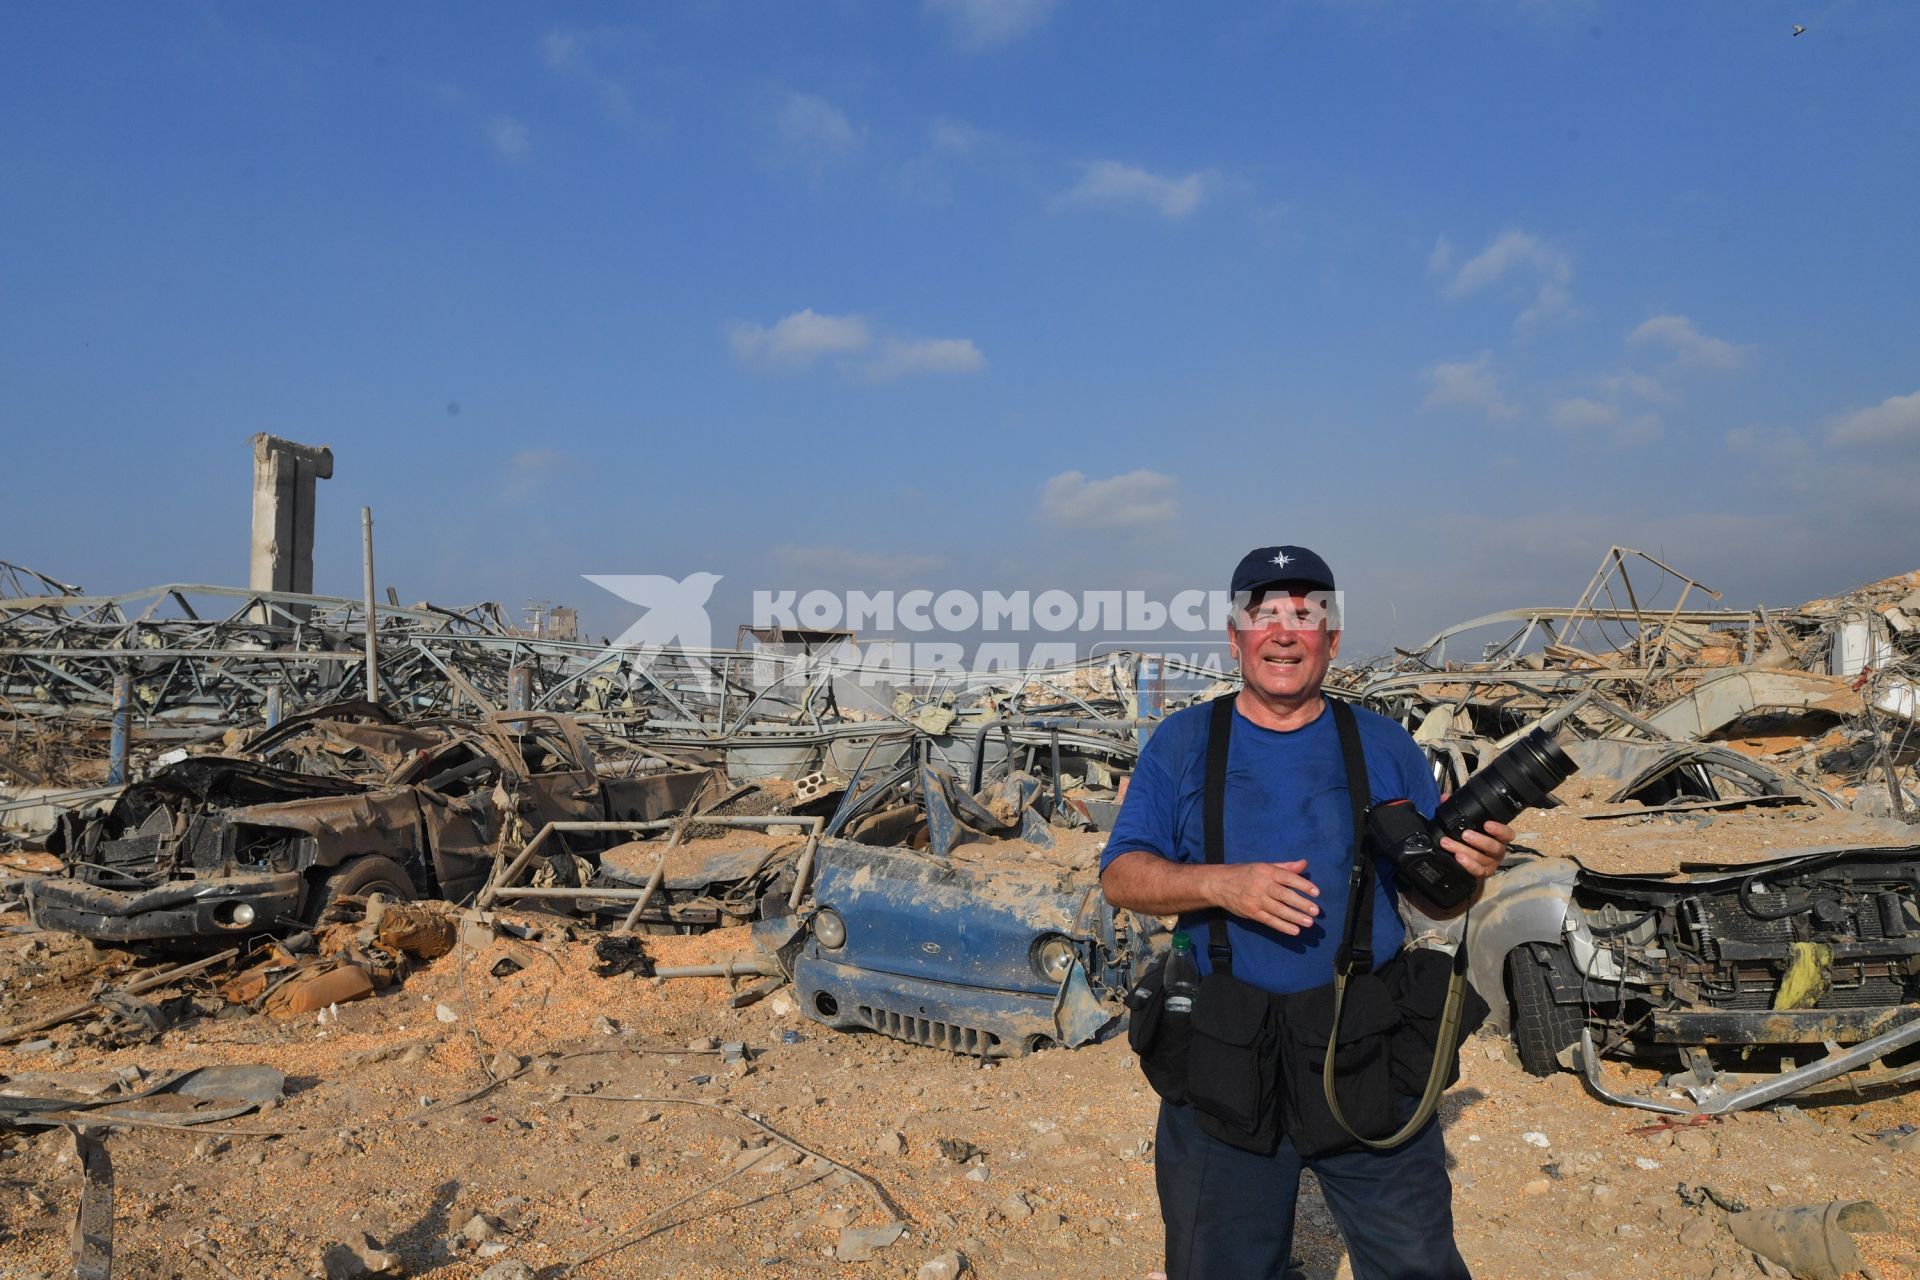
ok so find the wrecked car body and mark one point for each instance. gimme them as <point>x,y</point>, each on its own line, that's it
<point>1731,974</point>
<point>214,846</point>
<point>975,958</point>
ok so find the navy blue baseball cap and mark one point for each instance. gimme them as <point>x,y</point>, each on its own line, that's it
<point>1291,566</point>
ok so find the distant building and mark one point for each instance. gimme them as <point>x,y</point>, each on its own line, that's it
<point>549,622</point>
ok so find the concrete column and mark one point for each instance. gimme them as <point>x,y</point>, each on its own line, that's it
<point>284,474</point>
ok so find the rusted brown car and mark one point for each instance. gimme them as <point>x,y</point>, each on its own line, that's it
<point>216,846</point>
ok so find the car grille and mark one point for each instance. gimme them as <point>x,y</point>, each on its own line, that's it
<point>935,1035</point>
<point>1725,918</point>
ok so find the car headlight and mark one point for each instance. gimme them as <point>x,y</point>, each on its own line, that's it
<point>233,915</point>
<point>1053,956</point>
<point>829,928</point>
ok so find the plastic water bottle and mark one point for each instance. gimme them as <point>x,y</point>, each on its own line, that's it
<point>1183,978</point>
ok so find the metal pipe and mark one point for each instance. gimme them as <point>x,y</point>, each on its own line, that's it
<point>739,966</point>
<point>373,650</point>
<point>804,868</point>
<point>491,889</point>
<point>571,894</point>
<point>122,742</point>
<point>646,894</point>
<point>1059,796</point>
<point>276,705</point>
<point>1783,1085</point>
<point>980,751</point>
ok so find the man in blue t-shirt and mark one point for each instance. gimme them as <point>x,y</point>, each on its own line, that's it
<point>1283,885</point>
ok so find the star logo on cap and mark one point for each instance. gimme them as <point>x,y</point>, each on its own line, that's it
<point>1282,560</point>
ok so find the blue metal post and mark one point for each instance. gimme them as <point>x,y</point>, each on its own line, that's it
<point>122,728</point>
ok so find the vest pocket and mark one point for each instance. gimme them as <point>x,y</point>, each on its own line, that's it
<point>1233,1063</point>
<point>1363,1064</point>
<point>1161,1042</point>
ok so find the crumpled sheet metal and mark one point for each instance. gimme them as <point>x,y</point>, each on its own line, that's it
<point>239,1088</point>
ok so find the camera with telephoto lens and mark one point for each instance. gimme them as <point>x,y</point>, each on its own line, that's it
<point>1518,778</point>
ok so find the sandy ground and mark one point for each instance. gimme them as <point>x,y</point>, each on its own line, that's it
<point>1062,1184</point>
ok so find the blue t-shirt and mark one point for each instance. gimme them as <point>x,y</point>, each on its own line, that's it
<point>1286,799</point>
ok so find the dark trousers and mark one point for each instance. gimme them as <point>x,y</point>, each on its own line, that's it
<point>1229,1213</point>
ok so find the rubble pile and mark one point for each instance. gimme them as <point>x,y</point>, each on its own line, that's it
<point>1824,691</point>
<point>746,962</point>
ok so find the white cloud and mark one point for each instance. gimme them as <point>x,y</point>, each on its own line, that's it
<point>1547,271</point>
<point>797,341</point>
<point>510,138</point>
<point>1108,182</point>
<point>865,564</point>
<point>1119,502</point>
<point>801,340</point>
<point>1632,382</point>
<point>956,137</point>
<point>1894,419</point>
<point>568,50</point>
<point>951,145</point>
<point>1467,384</point>
<point>1581,416</point>
<point>1687,344</point>
<point>982,24</point>
<point>564,50</point>
<point>898,358</point>
<point>811,133</point>
<point>1440,261</point>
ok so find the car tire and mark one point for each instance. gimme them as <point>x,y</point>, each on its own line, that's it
<point>358,877</point>
<point>1542,1028</point>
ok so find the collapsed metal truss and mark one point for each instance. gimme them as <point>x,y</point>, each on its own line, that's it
<point>206,657</point>
<point>1617,664</point>
<point>190,662</point>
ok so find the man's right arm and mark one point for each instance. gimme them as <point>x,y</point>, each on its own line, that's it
<point>1276,894</point>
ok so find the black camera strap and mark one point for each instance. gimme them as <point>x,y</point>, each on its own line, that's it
<point>1356,943</point>
<point>1213,821</point>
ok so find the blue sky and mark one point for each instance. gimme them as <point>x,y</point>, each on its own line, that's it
<point>969,293</point>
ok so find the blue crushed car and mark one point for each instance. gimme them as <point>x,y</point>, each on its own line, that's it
<point>994,959</point>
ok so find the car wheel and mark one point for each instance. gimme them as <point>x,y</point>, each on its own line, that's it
<point>358,877</point>
<point>1542,1028</point>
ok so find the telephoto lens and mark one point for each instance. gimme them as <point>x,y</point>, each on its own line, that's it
<point>1518,778</point>
<point>1521,777</point>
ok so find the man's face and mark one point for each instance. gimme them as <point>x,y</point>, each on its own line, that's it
<point>1285,647</point>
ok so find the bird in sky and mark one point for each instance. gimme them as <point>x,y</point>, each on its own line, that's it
<point>1799,30</point>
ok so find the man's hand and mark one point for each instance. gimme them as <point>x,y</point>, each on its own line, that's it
<point>1275,894</point>
<point>1480,852</point>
